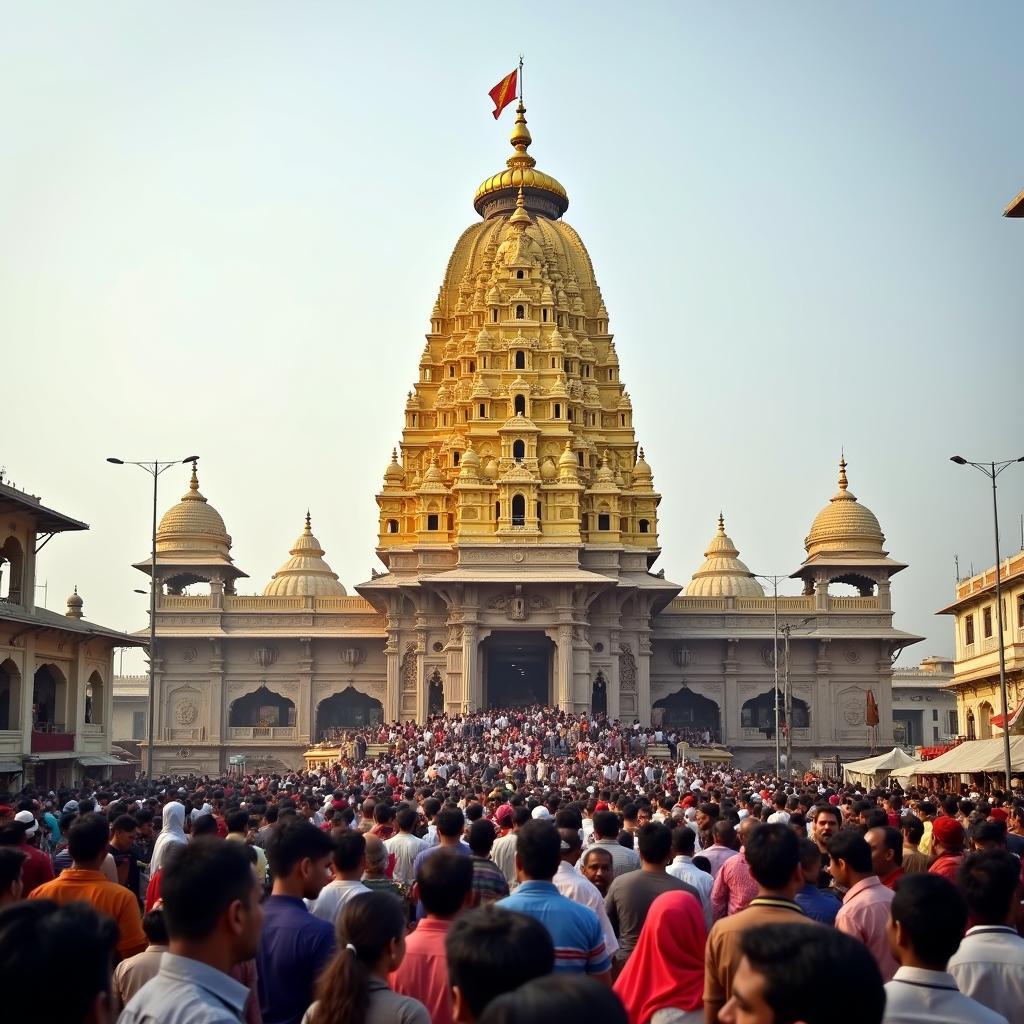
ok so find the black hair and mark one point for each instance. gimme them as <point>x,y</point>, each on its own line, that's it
<point>892,838</point>
<point>11,861</point>
<point>804,965</point>
<point>349,849</point>
<point>557,999</point>
<point>606,824</point>
<point>450,822</point>
<point>809,853</point>
<point>200,881</point>
<point>989,832</point>
<point>654,842</point>
<point>603,850</point>
<point>702,864</point>
<point>913,826</point>
<point>933,915</point>
<point>204,825</point>
<point>406,819</point>
<point>155,927</point>
<point>481,837</point>
<point>369,923</point>
<point>35,935</point>
<point>491,951</point>
<point>850,846</point>
<point>828,809</point>
<point>295,840</point>
<point>520,815</point>
<point>88,838</point>
<point>684,841</point>
<point>431,806</point>
<point>124,823</point>
<point>773,853</point>
<point>444,879</point>
<point>237,821</point>
<point>988,880</point>
<point>539,848</point>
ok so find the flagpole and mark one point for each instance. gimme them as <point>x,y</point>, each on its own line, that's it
<point>520,78</point>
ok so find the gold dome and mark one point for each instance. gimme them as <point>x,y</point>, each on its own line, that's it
<point>305,574</point>
<point>723,574</point>
<point>845,525</point>
<point>192,526</point>
<point>543,194</point>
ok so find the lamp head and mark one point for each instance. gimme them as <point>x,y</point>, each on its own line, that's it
<point>958,459</point>
<point>116,462</point>
<point>191,458</point>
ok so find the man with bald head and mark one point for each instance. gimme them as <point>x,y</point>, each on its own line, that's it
<point>734,886</point>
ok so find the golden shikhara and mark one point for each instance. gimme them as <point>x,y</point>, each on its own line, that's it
<point>519,429</point>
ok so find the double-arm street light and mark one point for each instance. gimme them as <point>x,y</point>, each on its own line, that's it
<point>992,470</point>
<point>154,468</point>
<point>775,581</point>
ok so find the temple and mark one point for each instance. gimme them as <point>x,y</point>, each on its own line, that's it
<point>518,533</point>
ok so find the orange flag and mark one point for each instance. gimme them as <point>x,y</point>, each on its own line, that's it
<point>872,711</point>
<point>504,93</point>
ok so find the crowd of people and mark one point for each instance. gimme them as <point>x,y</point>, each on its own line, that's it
<point>511,866</point>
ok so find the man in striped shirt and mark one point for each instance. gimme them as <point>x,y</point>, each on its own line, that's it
<point>574,929</point>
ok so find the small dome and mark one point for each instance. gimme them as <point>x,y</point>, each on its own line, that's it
<point>845,525</point>
<point>723,574</point>
<point>469,465</point>
<point>305,574</point>
<point>641,470</point>
<point>75,603</point>
<point>548,470</point>
<point>394,473</point>
<point>192,525</point>
<point>491,470</point>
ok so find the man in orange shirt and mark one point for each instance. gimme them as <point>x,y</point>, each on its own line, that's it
<point>84,882</point>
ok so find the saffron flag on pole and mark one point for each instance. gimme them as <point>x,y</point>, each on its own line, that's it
<point>872,710</point>
<point>504,93</point>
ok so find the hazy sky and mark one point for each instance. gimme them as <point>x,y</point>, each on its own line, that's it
<point>223,226</point>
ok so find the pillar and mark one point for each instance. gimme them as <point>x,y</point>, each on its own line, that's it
<point>304,724</point>
<point>472,684</point>
<point>563,672</point>
<point>614,704</point>
<point>643,677</point>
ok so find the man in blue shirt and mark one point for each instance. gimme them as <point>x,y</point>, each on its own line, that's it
<point>295,946</point>
<point>818,904</point>
<point>574,928</point>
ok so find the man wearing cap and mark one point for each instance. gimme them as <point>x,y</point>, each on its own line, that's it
<point>23,834</point>
<point>948,847</point>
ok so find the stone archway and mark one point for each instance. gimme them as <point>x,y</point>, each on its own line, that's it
<point>984,720</point>
<point>49,699</point>
<point>350,709</point>
<point>759,712</point>
<point>686,709</point>
<point>599,695</point>
<point>10,695</point>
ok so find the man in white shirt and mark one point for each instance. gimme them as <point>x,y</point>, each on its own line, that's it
<point>928,918</point>
<point>571,884</point>
<point>989,965</point>
<point>780,816</point>
<point>349,865</point>
<point>405,847</point>
<point>683,845</point>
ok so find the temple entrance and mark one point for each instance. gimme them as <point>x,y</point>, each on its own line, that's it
<point>517,669</point>
<point>435,695</point>
<point>599,696</point>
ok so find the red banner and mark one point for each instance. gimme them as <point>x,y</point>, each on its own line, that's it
<point>504,93</point>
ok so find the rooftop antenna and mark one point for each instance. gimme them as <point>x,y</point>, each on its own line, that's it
<point>1022,531</point>
<point>956,562</point>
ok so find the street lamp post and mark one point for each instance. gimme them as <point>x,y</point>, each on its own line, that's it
<point>154,468</point>
<point>775,581</point>
<point>787,698</point>
<point>992,470</point>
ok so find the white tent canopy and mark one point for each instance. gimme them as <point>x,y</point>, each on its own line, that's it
<point>872,770</point>
<point>970,757</point>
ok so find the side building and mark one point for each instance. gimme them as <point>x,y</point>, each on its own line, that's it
<point>924,709</point>
<point>56,671</point>
<point>976,669</point>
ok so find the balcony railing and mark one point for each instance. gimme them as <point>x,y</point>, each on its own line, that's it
<point>49,737</point>
<point>262,732</point>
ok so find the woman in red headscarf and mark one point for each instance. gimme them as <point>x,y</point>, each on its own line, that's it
<point>666,969</point>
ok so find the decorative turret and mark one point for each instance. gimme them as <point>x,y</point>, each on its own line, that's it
<point>75,604</point>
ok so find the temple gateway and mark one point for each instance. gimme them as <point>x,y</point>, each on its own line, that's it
<point>518,534</point>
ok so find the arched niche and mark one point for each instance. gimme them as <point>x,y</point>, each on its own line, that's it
<point>350,709</point>
<point>599,695</point>
<point>435,694</point>
<point>262,707</point>
<point>686,709</point>
<point>12,570</point>
<point>759,712</point>
<point>95,699</point>
<point>10,695</point>
<point>49,698</point>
